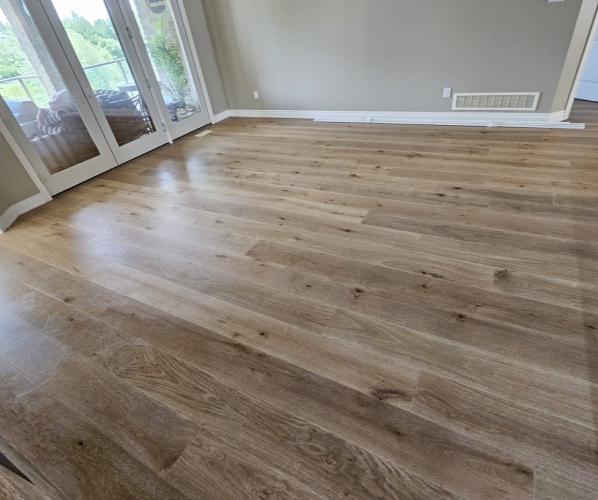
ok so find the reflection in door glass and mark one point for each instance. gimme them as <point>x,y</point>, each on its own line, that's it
<point>163,41</point>
<point>92,34</point>
<point>34,91</point>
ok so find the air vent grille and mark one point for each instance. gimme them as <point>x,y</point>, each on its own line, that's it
<point>525,101</point>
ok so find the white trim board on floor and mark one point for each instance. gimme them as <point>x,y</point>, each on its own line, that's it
<point>463,119</point>
<point>221,116</point>
<point>11,214</point>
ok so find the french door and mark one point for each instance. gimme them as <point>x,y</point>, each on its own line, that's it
<point>110,80</point>
<point>158,33</point>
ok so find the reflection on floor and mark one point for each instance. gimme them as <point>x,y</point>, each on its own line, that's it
<point>292,310</point>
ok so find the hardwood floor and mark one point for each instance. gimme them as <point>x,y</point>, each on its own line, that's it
<point>294,310</point>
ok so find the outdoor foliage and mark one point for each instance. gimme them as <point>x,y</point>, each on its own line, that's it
<point>97,43</point>
<point>100,34</point>
<point>94,43</point>
<point>166,54</point>
<point>14,62</point>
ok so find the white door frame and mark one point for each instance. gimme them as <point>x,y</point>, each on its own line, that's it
<point>139,146</point>
<point>186,28</point>
<point>178,129</point>
<point>103,161</point>
<point>582,66</point>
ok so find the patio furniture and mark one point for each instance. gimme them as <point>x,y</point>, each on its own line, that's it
<point>26,114</point>
<point>59,151</point>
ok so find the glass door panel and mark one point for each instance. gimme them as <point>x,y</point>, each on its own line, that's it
<point>168,53</point>
<point>120,92</point>
<point>162,39</point>
<point>47,110</point>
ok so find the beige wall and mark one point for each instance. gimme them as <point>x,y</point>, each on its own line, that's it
<point>205,53</point>
<point>15,183</point>
<point>387,55</point>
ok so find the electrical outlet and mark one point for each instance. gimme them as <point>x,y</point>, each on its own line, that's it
<point>447,92</point>
<point>256,94</point>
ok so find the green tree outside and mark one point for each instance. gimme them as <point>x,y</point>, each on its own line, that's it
<point>94,44</point>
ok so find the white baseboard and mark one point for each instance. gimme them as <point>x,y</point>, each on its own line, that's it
<point>463,119</point>
<point>8,217</point>
<point>270,113</point>
<point>559,116</point>
<point>221,116</point>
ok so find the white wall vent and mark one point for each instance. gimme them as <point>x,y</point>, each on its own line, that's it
<point>508,101</point>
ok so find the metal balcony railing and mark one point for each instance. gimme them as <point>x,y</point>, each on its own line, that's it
<point>21,80</point>
<point>122,64</point>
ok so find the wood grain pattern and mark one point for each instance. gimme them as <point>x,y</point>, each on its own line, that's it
<point>70,452</point>
<point>551,485</point>
<point>39,484</point>
<point>293,445</point>
<point>364,371</point>
<point>322,462</point>
<point>13,487</point>
<point>226,472</point>
<point>543,389</point>
<point>154,435</point>
<point>539,438</point>
<point>71,327</point>
<point>427,302</point>
<point>311,311</point>
<point>29,350</point>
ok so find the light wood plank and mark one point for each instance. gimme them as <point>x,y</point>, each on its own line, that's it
<point>13,487</point>
<point>541,389</point>
<point>399,260</point>
<point>539,438</point>
<point>473,317</point>
<point>70,452</point>
<point>200,315</point>
<point>290,309</point>
<point>554,265</point>
<point>155,435</point>
<point>418,454</point>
